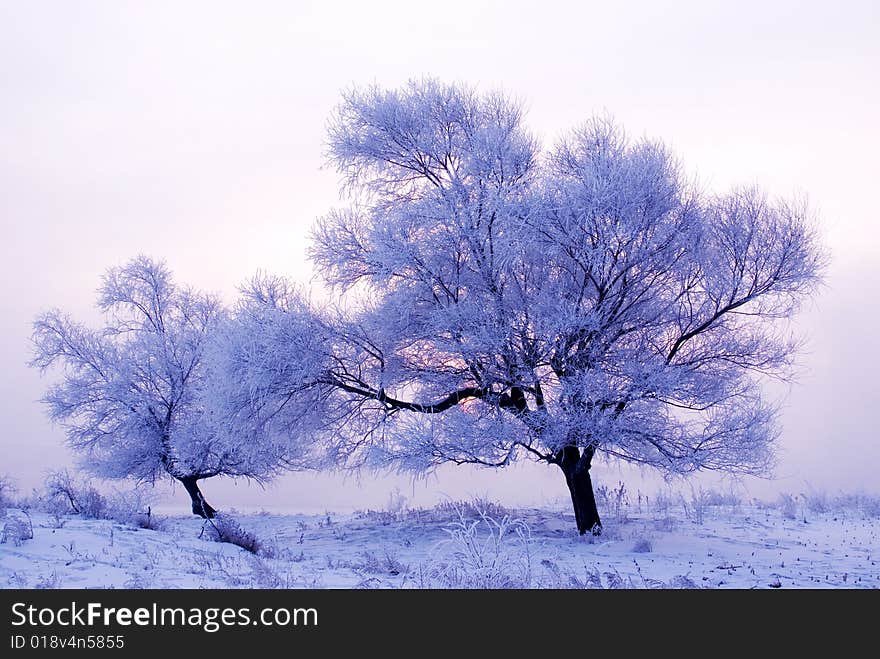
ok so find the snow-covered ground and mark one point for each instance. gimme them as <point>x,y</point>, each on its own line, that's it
<point>727,545</point>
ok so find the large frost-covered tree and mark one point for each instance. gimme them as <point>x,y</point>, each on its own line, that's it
<point>132,396</point>
<point>502,302</point>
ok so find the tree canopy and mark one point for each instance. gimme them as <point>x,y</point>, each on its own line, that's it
<point>501,301</point>
<point>132,396</point>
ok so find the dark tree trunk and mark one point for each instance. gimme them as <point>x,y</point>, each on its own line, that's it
<point>200,507</point>
<point>576,467</point>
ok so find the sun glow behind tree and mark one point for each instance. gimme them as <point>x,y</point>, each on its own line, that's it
<point>504,302</point>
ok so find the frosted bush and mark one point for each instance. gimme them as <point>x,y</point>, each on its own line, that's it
<point>475,507</point>
<point>17,530</point>
<point>48,582</point>
<point>870,506</point>
<point>6,490</point>
<point>80,496</point>
<point>132,507</point>
<point>486,553</point>
<point>387,564</point>
<point>224,528</point>
<point>867,504</point>
<point>696,508</point>
<point>664,501</point>
<point>642,546</point>
<point>65,494</point>
<point>681,581</point>
<point>788,506</point>
<point>816,502</point>
<point>396,502</point>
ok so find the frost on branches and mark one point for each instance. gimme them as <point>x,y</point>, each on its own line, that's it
<point>499,301</point>
<point>133,393</point>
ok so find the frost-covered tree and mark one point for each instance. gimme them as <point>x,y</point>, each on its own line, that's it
<point>131,397</point>
<point>501,302</point>
<point>256,361</point>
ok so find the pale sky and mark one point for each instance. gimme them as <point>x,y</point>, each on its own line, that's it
<point>194,132</point>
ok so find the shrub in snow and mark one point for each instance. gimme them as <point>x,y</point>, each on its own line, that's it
<point>816,502</point>
<point>17,580</point>
<point>664,501</point>
<point>224,528</point>
<point>592,578</point>
<point>695,509</point>
<point>486,553</point>
<point>614,498</point>
<point>48,582</point>
<point>869,505</point>
<point>80,497</point>
<point>788,506</point>
<point>264,576</point>
<point>138,581</point>
<point>6,490</point>
<point>387,564</point>
<point>16,530</point>
<point>132,507</point>
<point>66,494</point>
<point>559,577</point>
<point>396,502</point>
<point>473,508</point>
<point>681,581</point>
<point>715,498</point>
<point>92,504</point>
<point>642,546</point>
<point>614,581</point>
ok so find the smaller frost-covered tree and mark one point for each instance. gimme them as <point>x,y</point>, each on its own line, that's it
<point>133,397</point>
